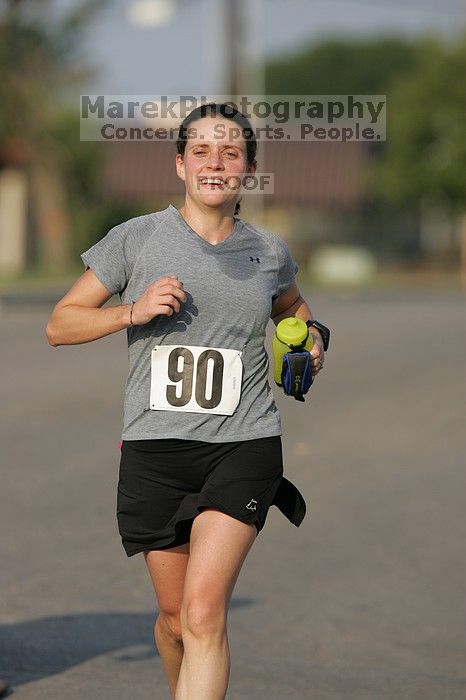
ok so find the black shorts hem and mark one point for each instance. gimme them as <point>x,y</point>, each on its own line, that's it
<point>180,531</point>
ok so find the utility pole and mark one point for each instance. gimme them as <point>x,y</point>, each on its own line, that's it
<point>243,62</point>
<point>233,33</point>
<point>244,47</point>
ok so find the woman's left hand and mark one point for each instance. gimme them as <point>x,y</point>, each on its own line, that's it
<point>317,354</point>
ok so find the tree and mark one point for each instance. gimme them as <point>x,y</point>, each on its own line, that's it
<point>341,67</point>
<point>424,163</point>
<point>426,135</point>
<point>39,59</point>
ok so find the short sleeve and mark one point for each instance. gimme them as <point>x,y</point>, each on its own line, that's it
<point>287,266</point>
<point>107,260</point>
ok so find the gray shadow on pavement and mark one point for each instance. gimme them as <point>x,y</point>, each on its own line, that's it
<point>35,649</point>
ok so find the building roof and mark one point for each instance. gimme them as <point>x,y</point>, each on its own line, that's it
<point>307,174</point>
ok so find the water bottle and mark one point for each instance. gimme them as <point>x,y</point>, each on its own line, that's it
<point>291,334</point>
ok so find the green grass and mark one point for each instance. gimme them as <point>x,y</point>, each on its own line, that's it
<point>35,280</point>
<point>387,279</point>
<point>397,278</point>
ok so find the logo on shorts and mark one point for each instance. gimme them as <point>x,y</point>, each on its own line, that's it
<point>252,259</point>
<point>252,505</point>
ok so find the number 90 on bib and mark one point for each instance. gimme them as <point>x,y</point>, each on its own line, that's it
<point>195,379</point>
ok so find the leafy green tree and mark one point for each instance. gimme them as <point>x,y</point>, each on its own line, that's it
<point>340,67</point>
<point>424,163</point>
<point>359,67</point>
<point>425,153</point>
<point>39,61</point>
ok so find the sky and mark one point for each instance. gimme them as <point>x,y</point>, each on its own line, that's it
<point>186,55</point>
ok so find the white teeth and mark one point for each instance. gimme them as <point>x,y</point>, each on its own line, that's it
<point>211,181</point>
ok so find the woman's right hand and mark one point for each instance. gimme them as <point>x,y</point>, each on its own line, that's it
<point>161,298</point>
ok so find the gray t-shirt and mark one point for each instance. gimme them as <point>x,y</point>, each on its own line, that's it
<point>230,288</point>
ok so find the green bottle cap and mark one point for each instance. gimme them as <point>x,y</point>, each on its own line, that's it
<point>292,331</point>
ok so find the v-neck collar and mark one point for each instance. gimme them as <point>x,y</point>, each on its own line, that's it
<point>212,246</point>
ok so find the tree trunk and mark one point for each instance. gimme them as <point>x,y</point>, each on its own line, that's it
<point>462,246</point>
<point>13,220</point>
<point>51,221</point>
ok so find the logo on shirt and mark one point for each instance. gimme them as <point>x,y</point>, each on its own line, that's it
<point>252,505</point>
<point>252,259</point>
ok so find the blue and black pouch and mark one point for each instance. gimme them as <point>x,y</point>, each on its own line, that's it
<point>296,373</point>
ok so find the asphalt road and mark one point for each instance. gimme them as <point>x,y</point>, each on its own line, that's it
<point>366,600</point>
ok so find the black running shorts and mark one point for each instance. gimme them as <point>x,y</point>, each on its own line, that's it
<point>164,483</point>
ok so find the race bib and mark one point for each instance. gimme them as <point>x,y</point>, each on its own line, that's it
<point>195,379</point>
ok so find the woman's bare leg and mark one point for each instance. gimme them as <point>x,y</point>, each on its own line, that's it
<point>219,545</point>
<point>167,569</point>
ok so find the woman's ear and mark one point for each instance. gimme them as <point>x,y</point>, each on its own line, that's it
<point>180,167</point>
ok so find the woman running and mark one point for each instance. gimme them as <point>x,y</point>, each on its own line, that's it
<point>201,454</point>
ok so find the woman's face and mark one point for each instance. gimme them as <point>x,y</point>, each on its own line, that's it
<point>214,162</point>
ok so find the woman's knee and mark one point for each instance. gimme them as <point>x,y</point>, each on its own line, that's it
<point>203,618</point>
<point>171,624</point>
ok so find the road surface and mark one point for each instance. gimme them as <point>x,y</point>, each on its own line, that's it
<point>366,600</point>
